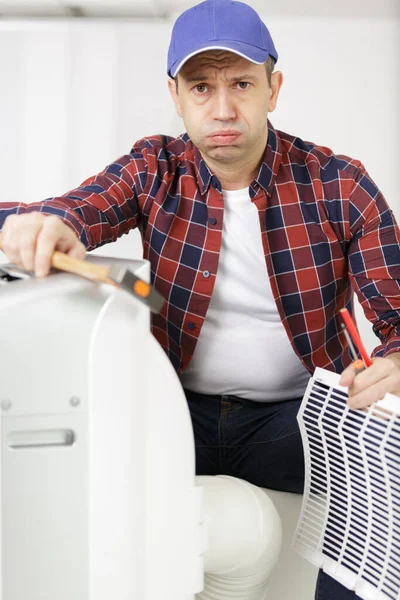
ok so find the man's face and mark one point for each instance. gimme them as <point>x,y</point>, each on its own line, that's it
<point>224,101</point>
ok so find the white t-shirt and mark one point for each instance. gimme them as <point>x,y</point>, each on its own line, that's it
<point>243,348</point>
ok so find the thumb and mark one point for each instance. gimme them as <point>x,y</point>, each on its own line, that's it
<point>78,250</point>
<point>349,374</point>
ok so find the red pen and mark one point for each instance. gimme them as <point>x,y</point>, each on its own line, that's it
<point>349,323</point>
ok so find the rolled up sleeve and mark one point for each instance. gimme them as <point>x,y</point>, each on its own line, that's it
<point>102,208</point>
<point>374,261</point>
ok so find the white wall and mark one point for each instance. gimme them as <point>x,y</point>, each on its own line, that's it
<point>75,95</point>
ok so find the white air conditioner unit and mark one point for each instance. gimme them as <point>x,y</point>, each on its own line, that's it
<point>98,495</point>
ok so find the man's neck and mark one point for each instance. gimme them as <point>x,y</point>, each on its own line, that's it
<point>233,177</point>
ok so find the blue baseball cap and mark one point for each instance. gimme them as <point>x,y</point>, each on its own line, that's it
<point>219,25</point>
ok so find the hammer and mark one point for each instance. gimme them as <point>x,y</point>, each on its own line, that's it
<point>115,275</point>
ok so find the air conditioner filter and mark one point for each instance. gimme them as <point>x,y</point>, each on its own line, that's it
<point>349,524</point>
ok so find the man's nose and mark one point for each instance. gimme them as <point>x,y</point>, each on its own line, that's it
<point>224,107</point>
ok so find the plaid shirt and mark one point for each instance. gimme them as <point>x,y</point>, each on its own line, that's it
<point>326,230</point>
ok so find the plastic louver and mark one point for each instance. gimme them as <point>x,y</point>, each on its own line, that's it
<point>349,524</point>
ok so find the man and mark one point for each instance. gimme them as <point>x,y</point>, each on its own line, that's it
<point>256,239</point>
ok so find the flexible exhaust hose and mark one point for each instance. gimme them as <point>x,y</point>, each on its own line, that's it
<point>245,538</point>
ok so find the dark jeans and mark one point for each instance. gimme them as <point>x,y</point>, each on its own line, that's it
<point>259,442</point>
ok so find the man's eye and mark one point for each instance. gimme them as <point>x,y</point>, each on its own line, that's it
<point>201,88</point>
<point>243,85</point>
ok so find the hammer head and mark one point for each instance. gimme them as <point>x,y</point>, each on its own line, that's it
<point>140,289</point>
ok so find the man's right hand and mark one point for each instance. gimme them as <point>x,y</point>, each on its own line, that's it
<point>29,241</point>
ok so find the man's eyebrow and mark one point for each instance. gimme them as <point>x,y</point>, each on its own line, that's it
<point>245,77</point>
<point>195,77</point>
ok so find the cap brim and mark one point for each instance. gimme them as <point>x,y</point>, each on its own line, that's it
<point>250,53</point>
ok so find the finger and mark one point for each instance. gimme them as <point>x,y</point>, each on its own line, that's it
<point>18,237</point>
<point>379,369</point>
<point>347,377</point>
<point>349,374</point>
<point>27,247</point>
<point>55,235</point>
<point>77,251</point>
<point>45,245</point>
<point>373,393</point>
<point>9,240</point>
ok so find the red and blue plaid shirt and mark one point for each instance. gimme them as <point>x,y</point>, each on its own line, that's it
<point>326,230</point>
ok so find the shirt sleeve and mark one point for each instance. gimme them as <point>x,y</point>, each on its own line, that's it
<point>374,261</point>
<point>102,208</point>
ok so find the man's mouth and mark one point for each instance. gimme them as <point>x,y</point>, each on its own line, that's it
<point>224,138</point>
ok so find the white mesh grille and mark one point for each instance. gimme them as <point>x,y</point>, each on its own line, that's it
<point>350,519</point>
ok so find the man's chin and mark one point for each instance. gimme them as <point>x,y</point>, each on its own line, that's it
<point>224,153</point>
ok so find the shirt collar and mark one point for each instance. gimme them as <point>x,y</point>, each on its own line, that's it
<point>266,175</point>
<point>204,175</point>
<point>270,163</point>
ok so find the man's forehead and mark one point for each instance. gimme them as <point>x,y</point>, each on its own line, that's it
<point>215,59</point>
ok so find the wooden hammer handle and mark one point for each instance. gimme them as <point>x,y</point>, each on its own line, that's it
<point>80,267</point>
<point>63,262</point>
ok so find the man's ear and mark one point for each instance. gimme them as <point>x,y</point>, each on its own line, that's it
<point>276,84</point>
<point>174,95</point>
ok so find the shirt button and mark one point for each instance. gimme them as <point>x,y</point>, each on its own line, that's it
<point>191,325</point>
<point>212,220</point>
<point>206,274</point>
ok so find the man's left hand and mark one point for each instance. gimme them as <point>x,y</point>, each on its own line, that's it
<point>373,383</point>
